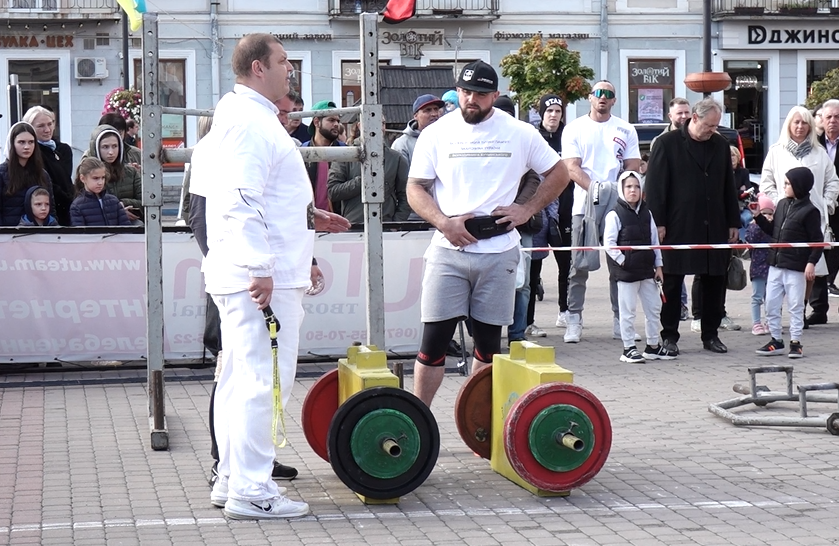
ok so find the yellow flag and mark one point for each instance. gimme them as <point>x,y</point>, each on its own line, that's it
<point>134,9</point>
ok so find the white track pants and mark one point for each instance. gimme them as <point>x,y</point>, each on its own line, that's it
<point>628,295</point>
<point>244,394</point>
<point>792,284</point>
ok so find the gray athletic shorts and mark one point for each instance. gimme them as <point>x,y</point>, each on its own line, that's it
<point>458,284</point>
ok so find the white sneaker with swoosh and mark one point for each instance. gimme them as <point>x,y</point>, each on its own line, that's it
<point>275,508</point>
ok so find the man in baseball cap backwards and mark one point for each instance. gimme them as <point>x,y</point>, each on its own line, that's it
<point>426,111</point>
<point>464,178</point>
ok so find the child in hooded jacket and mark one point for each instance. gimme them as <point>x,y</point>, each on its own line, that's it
<point>796,220</point>
<point>93,206</point>
<point>637,272</point>
<point>36,208</point>
<point>759,264</point>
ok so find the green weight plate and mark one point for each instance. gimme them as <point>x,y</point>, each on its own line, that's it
<point>385,443</point>
<point>373,401</point>
<point>547,431</point>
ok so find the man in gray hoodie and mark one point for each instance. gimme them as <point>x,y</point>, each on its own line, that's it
<point>426,111</point>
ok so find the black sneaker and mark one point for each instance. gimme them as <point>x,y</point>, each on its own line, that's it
<point>774,347</point>
<point>283,472</point>
<point>685,313</point>
<point>658,353</point>
<point>795,349</point>
<point>832,291</point>
<point>454,349</point>
<point>631,355</point>
<point>671,346</point>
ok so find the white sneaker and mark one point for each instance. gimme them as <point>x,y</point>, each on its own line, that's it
<point>616,330</point>
<point>696,326</point>
<point>560,319</point>
<point>727,324</point>
<point>574,329</point>
<point>535,331</point>
<point>218,497</point>
<point>278,507</point>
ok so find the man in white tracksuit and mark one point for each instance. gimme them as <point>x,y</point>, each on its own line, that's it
<point>260,253</point>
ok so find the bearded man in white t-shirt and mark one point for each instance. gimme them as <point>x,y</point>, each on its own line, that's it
<point>465,166</point>
<point>595,148</point>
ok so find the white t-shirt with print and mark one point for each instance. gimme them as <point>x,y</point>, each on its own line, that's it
<point>477,168</point>
<point>602,146</point>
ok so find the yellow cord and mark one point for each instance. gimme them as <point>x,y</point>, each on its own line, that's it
<point>278,415</point>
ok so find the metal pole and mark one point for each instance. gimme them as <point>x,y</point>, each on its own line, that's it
<point>125,83</point>
<point>372,179</point>
<point>152,203</point>
<point>706,38</point>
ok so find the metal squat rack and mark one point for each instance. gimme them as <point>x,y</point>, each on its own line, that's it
<point>760,395</point>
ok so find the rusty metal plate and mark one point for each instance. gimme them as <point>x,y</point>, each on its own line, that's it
<point>319,408</point>
<point>473,412</point>
<point>523,424</point>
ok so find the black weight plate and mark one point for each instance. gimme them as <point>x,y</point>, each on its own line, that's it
<point>339,442</point>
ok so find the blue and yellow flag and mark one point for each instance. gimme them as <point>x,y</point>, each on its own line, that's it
<point>134,9</point>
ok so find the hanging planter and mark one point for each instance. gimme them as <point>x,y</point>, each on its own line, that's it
<point>748,10</point>
<point>708,82</point>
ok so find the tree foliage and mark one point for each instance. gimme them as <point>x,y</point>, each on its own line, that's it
<point>537,69</point>
<point>824,90</point>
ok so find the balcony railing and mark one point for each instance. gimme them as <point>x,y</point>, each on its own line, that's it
<point>39,9</point>
<point>425,8</point>
<point>775,7</point>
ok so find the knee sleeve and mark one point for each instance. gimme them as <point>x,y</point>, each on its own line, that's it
<point>435,340</point>
<point>487,339</point>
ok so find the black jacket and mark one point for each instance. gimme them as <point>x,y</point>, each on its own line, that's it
<point>635,230</point>
<point>795,221</point>
<point>59,165</point>
<point>693,196</point>
<point>12,206</point>
<point>86,210</point>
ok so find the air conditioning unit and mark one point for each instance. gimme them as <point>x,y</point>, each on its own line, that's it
<point>91,68</point>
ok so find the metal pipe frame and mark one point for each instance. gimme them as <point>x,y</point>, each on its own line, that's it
<point>309,153</point>
<point>761,397</point>
<point>370,154</point>
<point>152,195</point>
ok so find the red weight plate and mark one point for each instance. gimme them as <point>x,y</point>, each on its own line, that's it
<point>517,436</point>
<point>319,407</point>
<point>473,412</point>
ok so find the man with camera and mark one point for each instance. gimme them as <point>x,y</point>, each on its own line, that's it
<point>463,180</point>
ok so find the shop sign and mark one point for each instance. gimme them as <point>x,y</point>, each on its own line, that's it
<point>651,73</point>
<point>507,36</point>
<point>411,43</point>
<point>32,42</point>
<point>297,36</point>
<point>782,35</point>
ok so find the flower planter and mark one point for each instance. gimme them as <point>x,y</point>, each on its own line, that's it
<point>797,11</point>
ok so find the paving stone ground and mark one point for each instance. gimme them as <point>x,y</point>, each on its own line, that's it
<point>77,467</point>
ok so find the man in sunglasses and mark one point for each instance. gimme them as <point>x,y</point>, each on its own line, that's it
<point>596,148</point>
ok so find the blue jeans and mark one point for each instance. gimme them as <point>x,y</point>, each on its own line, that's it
<point>758,297</point>
<point>515,332</point>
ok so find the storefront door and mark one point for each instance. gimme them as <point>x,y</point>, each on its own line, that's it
<point>38,84</point>
<point>745,103</point>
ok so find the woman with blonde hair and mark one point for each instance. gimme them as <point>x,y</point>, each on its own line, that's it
<point>798,146</point>
<point>57,158</point>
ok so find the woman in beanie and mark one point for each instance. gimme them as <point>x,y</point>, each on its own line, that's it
<point>796,220</point>
<point>759,263</point>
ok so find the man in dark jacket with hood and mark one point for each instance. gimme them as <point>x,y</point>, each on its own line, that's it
<point>426,110</point>
<point>690,191</point>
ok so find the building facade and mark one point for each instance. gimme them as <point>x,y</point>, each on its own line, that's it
<point>67,53</point>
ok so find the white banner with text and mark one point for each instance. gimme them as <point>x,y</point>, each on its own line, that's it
<point>82,297</point>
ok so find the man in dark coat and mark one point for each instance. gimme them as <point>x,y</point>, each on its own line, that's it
<point>823,286</point>
<point>690,191</point>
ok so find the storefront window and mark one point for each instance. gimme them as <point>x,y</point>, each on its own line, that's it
<point>171,92</point>
<point>650,90</point>
<point>816,70</point>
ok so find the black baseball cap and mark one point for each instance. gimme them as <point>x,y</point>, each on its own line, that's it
<point>478,76</point>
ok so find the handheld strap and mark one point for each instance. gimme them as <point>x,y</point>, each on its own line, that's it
<point>278,417</point>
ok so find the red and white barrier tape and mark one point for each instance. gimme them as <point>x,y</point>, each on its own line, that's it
<point>723,246</point>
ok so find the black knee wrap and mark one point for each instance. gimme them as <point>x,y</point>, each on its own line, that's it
<point>435,340</point>
<point>487,339</point>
